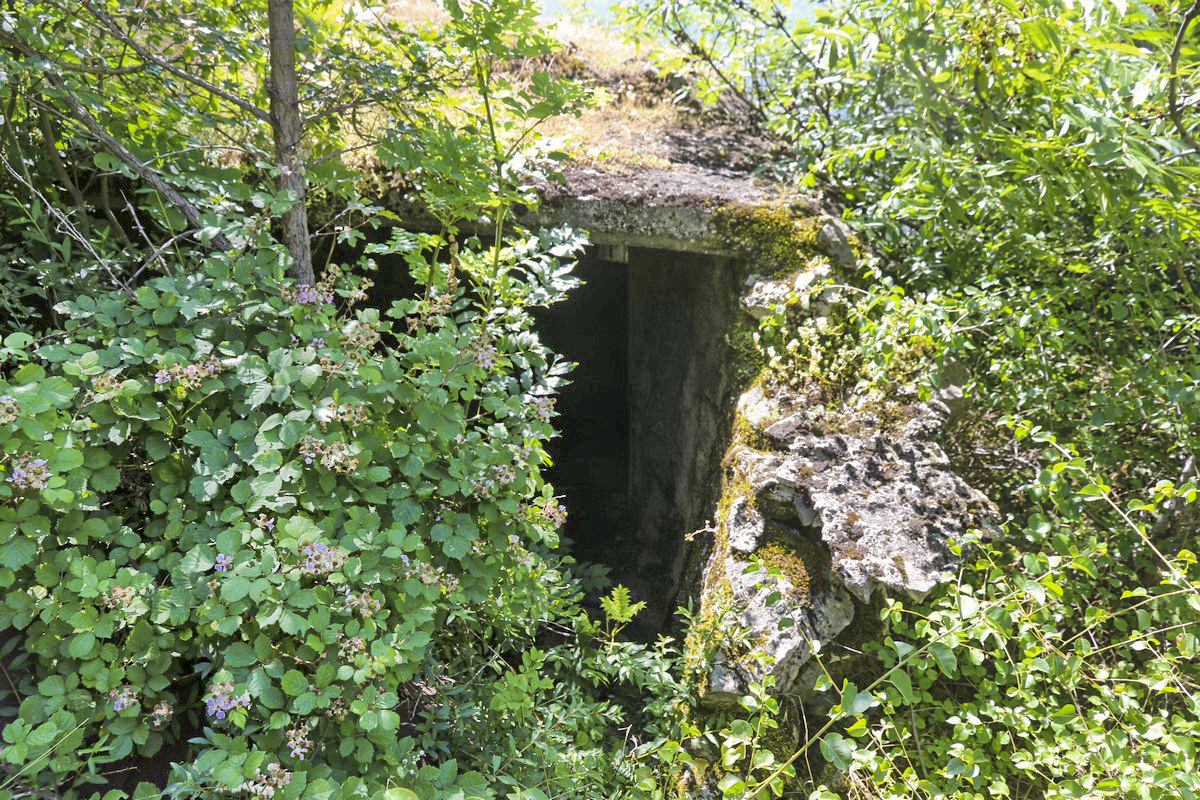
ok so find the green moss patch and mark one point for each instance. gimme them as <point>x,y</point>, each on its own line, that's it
<point>773,239</point>
<point>802,560</point>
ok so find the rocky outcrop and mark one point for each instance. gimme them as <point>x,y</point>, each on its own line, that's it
<point>884,502</point>
<point>822,511</point>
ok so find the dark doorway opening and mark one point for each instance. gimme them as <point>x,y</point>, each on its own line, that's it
<point>643,420</point>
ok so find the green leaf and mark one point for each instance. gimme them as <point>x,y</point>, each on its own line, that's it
<point>65,460</point>
<point>945,658</point>
<point>855,702</point>
<point>17,552</point>
<point>903,684</point>
<point>234,588</point>
<point>294,683</point>
<point>199,559</point>
<point>239,654</point>
<point>43,735</point>
<point>1066,713</point>
<point>147,791</point>
<point>229,774</point>
<point>58,391</point>
<point>305,703</point>
<point>837,751</point>
<point>731,785</point>
<point>82,644</point>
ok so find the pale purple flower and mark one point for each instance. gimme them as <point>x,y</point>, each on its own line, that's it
<point>308,294</point>
<point>222,701</point>
<point>224,562</point>
<point>321,559</point>
<point>298,742</point>
<point>484,353</point>
<point>123,698</point>
<point>8,409</point>
<point>29,473</point>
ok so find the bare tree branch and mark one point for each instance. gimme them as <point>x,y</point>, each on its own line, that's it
<point>679,31</point>
<point>288,130</point>
<point>121,35</point>
<point>1173,87</point>
<point>50,140</point>
<point>67,226</point>
<point>189,211</point>
<point>93,126</point>
<point>33,791</point>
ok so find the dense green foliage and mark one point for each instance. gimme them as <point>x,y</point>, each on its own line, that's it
<point>297,545</point>
<point>1028,175</point>
<point>300,546</point>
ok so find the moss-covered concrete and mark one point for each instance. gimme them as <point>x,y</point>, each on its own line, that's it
<point>801,559</point>
<point>772,239</point>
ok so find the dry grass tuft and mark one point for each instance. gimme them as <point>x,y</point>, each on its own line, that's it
<point>634,118</point>
<point>604,51</point>
<point>636,111</point>
<point>414,14</point>
<point>620,132</point>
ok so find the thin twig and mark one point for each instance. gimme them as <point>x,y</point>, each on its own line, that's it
<point>1173,109</point>
<point>208,86</point>
<point>30,789</point>
<point>93,126</point>
<point>157,254</point>
<point>50,140</point>
<point>68,226</point>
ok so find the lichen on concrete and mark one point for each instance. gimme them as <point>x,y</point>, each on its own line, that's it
<point>836,488</point>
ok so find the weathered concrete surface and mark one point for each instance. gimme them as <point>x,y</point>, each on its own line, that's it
<point>669,209</point>
<point>680,306</point>
<point>673,208</point>
<point>822,510</point>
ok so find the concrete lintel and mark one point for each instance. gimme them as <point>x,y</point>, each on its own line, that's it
<point>665,209</point>
<point>677,228</point>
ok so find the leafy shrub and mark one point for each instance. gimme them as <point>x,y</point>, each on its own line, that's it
<point>292,542</point>
<point>1039,234</point>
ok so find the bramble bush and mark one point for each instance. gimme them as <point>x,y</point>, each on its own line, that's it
<point>300,546</point>
<point>294,545</point>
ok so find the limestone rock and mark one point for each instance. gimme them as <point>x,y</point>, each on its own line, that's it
<point>785,618</point>
<point>886,503</point>
<point>756,407</point>
<point>833,509</point>
<point>764,295</point>
<point>835,238</point>
<point>743,526</point>
<point>724,685</point>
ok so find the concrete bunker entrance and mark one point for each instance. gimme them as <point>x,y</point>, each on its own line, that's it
<point>643,418</point>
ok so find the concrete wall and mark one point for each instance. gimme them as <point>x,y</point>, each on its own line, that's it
<point>644,421</point>
<point>680,307</point>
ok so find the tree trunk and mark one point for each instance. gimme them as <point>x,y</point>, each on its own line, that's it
<point>287,129</point>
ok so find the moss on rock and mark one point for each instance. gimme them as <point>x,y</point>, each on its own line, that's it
<point>772,239</point>
<point>802,560</point>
